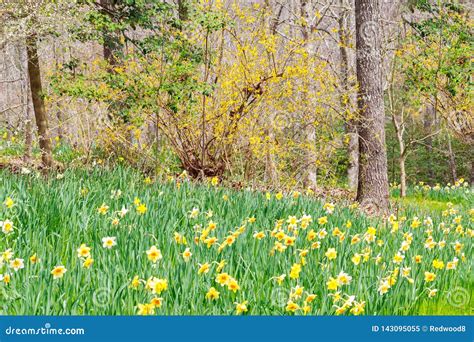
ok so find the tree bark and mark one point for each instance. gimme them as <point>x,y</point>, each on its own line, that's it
<point>346,98</point>
<point>372,190</point>
<point>183,10</point>
<point>399,125</point>
<point>452,160</point>
<point>111,43</point>
<point>41,117</point>
<point>472,173</point>
<point>403,177</point>
<point>428,118</point>
<point>310,178</point>
<point>29,110</point>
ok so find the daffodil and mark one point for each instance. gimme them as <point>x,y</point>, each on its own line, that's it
<point>432,293</point>
<point>8,202</point>
<point>332,284</point>
<point>212,294</point>
<point>88,262</point>
<point>280,279</point>
<point>135,283</point>
<point>187,254</point>
<point>146,309</point>
<point>429,277</point>
<point>17,264</point>
<point>141,208</point>
<point>292,306</point>
<point>34,259</point>
<point>323,220</point>
<point>241,307</point>
<point>6,278</point>
<point>103,209</point>
<point>7,254</point>
<point>58,271</point>
<point>331,254</point>
<point>222,278</point>
<point>109,242</point>
<point>344,278</point>
<point>83,251</point>
<point>154,254</point>
<point>7,226</point>
<point>157,302</point>
<point>438,264</point>
<point>295,271</point>
<point>158,285</point>
<point>194,213</point>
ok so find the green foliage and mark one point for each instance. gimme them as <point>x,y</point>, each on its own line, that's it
<point>53,229</point>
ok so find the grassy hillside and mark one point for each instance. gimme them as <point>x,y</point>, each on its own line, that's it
<point>259,252</point>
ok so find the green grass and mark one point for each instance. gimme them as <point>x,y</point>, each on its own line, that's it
<point>52,219</point>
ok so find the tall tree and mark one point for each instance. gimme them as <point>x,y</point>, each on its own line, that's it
<point>41,117</point>
<point>346,98</point>
<point>111,42</point>
<point>25,21</point>
<point>372,190</point>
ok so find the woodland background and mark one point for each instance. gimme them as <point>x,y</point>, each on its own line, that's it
<point>262,93</point>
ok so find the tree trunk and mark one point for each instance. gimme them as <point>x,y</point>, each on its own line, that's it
<point>29,110</point>
<point>372,190</point>
<point>28,139</point>
<point>271,176</point>
<point>429,115</point>
<point>346,98</point>
<point>452,160</point>
<point>38,102</point>
<point>111,40</point>
<point>183,10</point>
<point>472,173</point>
<point>310,178</point>
<point>403,176</point>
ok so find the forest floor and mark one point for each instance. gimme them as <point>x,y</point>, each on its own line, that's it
<point>110,241</point>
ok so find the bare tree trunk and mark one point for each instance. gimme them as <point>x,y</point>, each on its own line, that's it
<point>38,102</point>
<point>271,175</point>
<point>372,190</point>
<point>61,130</point>
<point>28,139</point>
<point>403,177</point>
<point>346,98</point>
<point>29,110</point>
<point>270,169</point>
<point>429,115</point>
<point>310,179</point>
<point>111,41</point>
<point>472,173</point>
<point>452,160</point>
<point>399,125</point>
<point>183,10</point>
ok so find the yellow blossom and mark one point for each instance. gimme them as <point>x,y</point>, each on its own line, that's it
<point>154,254</point>
<point>58,271</point>
<point>212,294</point>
